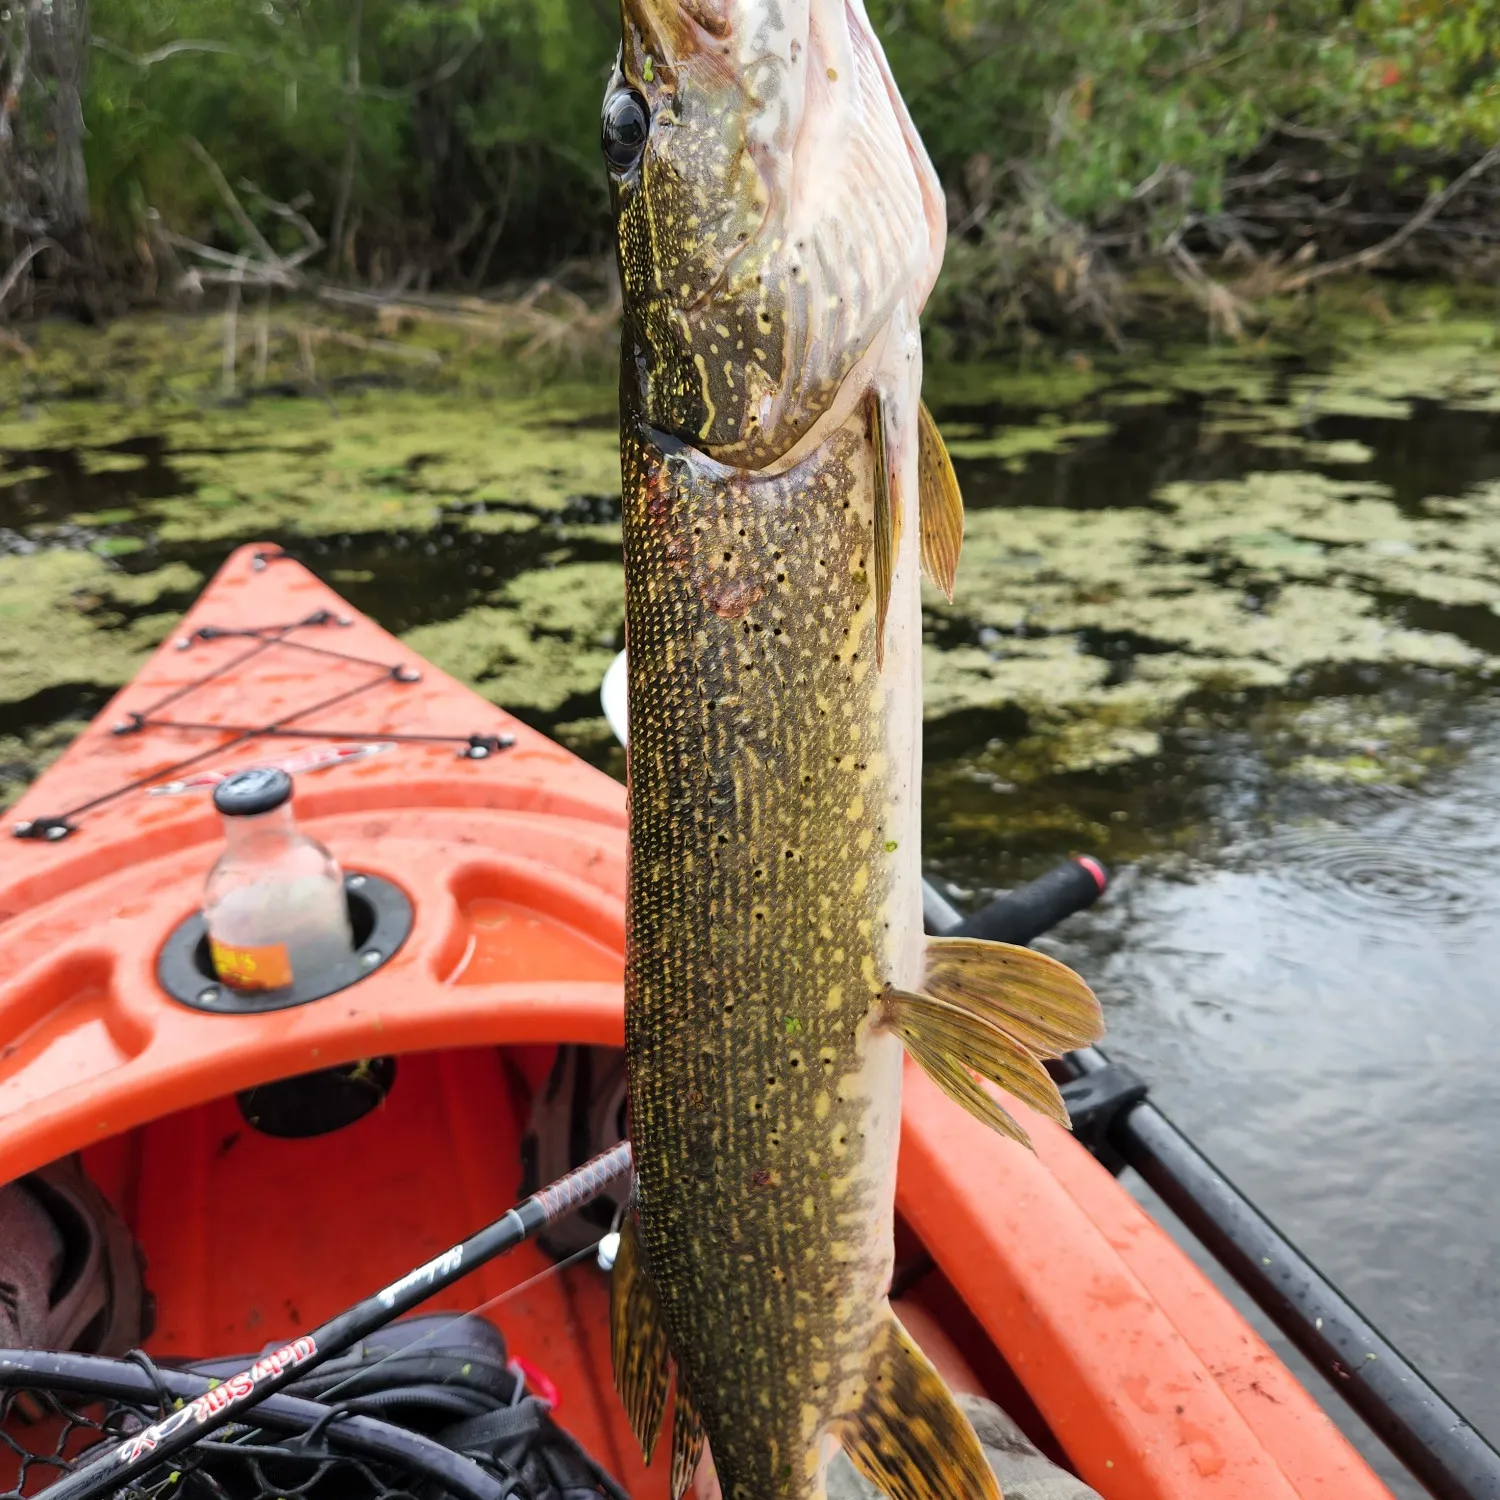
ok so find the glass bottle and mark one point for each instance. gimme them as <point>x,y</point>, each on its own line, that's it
<point>274,904</point>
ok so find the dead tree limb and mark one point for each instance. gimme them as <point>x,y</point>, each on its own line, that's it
<point>227,193</point>
<point>19,264</point>
<point>1373,255</point>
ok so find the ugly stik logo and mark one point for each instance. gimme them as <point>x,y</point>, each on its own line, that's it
<point>211,1403</point>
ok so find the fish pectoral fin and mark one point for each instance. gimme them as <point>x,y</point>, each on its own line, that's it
<point>908,1438</point>
<point>940,505</point>
<point>1043,1004</point>
<point>951,1046</point>
<point>887,523</point>
<point>638,1340</point>
<point>687,1441</point>
<point>994,1009</point>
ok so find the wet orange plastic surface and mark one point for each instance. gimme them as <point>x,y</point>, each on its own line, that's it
<point>515,864</point>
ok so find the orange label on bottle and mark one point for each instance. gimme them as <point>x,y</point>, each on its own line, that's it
<point>267,968</point>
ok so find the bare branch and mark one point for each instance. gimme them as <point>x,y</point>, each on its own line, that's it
<point>161,54</point>
<point>15,83</point>
<point>19,264</point>
<point>235,206</point>
<point>441,75</point>
<point>1363,260</point>
<point>231,330</point>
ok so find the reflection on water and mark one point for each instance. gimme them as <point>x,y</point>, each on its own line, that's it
<point>1232,632</point>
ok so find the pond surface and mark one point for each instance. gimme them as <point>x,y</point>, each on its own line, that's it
<point>1227,620</point>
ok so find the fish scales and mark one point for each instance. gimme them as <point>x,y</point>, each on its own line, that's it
<point>769,831</point>
<point>778,227</point>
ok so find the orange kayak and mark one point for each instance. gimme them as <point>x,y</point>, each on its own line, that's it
<point>493,863</point>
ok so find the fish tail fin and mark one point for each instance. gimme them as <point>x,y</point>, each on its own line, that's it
<point>638,1340</point>
<point>994,1009</point>
<point>908,1437</point>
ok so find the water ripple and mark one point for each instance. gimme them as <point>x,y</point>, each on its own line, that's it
<point>1349,873</point>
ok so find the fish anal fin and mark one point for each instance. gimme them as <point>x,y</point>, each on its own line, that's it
<point>638,1340</point>
<point>908,1437</point>
<point>1038,1001</point>
<point>887,520</point>
<point>940,505</point>
<point>687,1441</point>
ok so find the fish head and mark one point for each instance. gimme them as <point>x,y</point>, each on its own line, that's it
<point>775,211</point>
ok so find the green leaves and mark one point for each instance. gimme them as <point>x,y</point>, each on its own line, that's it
<point>468,128</point>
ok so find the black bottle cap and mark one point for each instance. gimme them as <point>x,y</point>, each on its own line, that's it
<point>261,789</point>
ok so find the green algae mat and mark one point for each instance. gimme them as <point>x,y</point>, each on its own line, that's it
<point>1151,544</point>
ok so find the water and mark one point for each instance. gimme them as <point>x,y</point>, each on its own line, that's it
<point>1232,630</point>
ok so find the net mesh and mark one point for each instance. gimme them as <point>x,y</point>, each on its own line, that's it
<point>45,1433</point>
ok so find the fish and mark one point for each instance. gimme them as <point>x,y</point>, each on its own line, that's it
<point>778,229</point>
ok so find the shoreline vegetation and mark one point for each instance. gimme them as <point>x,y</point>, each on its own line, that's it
<point>1115,169</point>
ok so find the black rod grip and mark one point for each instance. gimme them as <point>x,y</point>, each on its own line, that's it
<point>1028,912</point>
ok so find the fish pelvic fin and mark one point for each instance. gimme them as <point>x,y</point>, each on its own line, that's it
<point>908,1437</point>
<point>887,538</point>
<point>995,1010</point>
<point>638,1340</point>
<point>687,1441</point>
<point>940,505</point>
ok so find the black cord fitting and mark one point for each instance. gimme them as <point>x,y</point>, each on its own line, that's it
<point>1096,1101</point>
<point>44,830</point>
<point>482,746</point>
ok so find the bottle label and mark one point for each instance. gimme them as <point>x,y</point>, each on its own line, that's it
<point>268,968</point>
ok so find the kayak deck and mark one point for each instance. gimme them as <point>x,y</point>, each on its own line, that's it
<point>1076,1312</point>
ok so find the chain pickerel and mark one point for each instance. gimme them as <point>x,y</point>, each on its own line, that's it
<point>779,227</point>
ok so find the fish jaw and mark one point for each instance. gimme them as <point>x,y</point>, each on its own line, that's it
<point>782,208</point>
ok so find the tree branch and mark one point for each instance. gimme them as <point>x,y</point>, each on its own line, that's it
<point>235,206</point>
<point>145,60</point>
<point>1363,260</point>
<point>20,263</point>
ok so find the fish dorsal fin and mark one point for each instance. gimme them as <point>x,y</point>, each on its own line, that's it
<point>887,519</point>
<point>908,1437</point>
<point>687,1441</point>
<point>940,504</point>
<point>1043,1004</point>
<point>992,1009</point>
<point>638,1340</point>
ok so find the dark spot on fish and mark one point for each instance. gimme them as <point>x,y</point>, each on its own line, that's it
<point>760,1178</point>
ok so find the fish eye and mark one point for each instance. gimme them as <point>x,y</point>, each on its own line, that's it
<point>625,126</point>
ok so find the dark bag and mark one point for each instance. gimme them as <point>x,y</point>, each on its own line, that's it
<point>450,1378</point>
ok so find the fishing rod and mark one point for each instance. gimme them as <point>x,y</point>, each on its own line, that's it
<point>154,1445</point>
